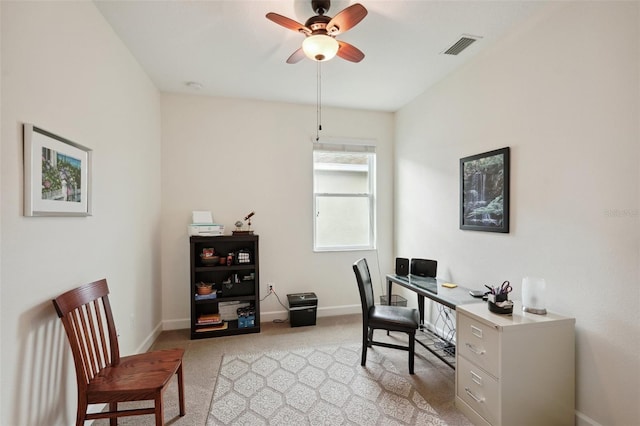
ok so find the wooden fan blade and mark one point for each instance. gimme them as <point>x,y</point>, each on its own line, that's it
<point>346,19</point>
<point>288,23</point>
<point>349,52</point>
<point>296,56</point>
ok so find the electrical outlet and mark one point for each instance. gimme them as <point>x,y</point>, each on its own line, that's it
<point>271,288</point>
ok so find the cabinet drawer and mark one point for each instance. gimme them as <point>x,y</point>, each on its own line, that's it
<point>478,389</point>
<point>478,343</point>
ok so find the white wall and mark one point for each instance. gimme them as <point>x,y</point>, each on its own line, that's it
<point>64,70</point>
<point>235,156</point>
<point>563,92</point>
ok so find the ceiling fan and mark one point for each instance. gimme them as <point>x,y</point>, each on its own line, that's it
<point>320,31</point>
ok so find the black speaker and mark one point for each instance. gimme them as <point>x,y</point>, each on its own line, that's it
<point>402,266</point>
<point>424,267</point>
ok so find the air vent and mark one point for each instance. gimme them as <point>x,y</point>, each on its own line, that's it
<point>464,42</point>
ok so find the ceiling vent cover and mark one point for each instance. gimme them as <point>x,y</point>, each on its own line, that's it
<point>464,42</point>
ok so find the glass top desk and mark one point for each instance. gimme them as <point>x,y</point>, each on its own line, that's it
<point>439,342</point>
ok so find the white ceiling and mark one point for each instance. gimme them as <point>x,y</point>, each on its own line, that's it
<point>230,48</point>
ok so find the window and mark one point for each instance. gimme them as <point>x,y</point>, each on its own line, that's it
<point>343,197</point>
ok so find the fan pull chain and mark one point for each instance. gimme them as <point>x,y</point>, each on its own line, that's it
<point>319,102</point>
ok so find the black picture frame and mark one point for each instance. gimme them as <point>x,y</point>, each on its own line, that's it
<point>484,191</point>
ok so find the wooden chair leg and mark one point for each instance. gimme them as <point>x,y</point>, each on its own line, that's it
<point>412,347</point>
<point>181,391</point>
<point>370,337</point>
<point>159,410</point>
<point>82,412</point>
<point>113,407</point>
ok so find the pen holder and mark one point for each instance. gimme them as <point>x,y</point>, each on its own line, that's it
<point>493,301</point>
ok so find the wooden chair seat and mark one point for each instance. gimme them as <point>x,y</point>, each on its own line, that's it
<point>135,378</point>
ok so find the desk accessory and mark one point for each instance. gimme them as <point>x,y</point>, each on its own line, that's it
<point>238,224</point>
<point>533,299</point>
<point>498,299</point>
<point>402,266</point>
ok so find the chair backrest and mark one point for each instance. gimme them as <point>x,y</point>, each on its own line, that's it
<point>361,269</point>
<point>86,315</point>
<point>424,267</point>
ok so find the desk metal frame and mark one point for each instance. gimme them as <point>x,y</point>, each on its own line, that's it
<point>432,288</point>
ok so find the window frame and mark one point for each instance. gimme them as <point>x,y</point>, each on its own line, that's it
<point>367,148</point>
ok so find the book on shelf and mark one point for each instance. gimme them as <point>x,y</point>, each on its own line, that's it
<point>206,296</point>
<point>222,326</point>
<point>212,319</point>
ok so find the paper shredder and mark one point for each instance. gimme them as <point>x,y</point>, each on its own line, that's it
<point>303,308</point>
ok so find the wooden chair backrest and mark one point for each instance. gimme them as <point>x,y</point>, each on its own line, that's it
<point>86,315</point>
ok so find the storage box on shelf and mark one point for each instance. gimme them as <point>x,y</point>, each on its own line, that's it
<point>224,276</point>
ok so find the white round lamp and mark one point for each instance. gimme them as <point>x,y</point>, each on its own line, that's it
<point>533,295</point>
<point>320,47</point>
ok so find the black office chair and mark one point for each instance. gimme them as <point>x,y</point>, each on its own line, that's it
<point>383,317</point>
<point>423,268</point>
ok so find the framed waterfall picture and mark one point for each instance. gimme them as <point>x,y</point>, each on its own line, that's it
<point>484,191</point>
<point>57,175</point>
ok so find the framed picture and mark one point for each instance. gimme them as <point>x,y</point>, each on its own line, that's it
<point>57,175</point>
<point>484,191</point>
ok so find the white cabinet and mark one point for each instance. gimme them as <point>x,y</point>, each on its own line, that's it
<point>515,369</point>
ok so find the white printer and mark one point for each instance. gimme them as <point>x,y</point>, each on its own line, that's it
<point>203,225</point>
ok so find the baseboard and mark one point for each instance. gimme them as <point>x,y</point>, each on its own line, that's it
<point>176,324</point>
<point>584,420</point>
<point>329,311</point>
<point>333,311</point>
<point>146,343</point>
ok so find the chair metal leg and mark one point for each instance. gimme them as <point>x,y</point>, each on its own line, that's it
<point>412,347</point>
<point>421,310</point>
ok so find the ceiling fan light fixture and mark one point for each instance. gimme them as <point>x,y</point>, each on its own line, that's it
<point>320,47</point>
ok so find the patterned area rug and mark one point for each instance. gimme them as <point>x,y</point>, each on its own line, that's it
<point>316,386</point>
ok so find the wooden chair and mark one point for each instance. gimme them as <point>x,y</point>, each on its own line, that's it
<point>390,318</point>
<point>103,376</point>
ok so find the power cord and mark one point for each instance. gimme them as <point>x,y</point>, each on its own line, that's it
<point>277,320</point>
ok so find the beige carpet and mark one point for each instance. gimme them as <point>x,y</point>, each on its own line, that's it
<point>203,358</point>
<point>323,385</point>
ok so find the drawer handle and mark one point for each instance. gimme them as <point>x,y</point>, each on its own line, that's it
<point>476,332</point>
<point>476,379</point>
<point>475,398</point>
<point>475,350</point>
